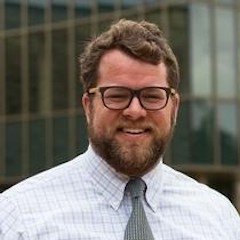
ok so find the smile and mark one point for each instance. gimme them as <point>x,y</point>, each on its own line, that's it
<point>133,131</point>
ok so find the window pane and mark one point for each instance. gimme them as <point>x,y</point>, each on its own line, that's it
<point>202,133</point>
<point>59,10</point>
<point>151,2</point>
<point>106,6</point>
<point>37,146</point>
<point>103,25</point>
<point>223,184</point>
<point>13,149</point>
<point>226,1</point>
<point>178,36</point>
<point>12,14</point>
<point>13,73</point>
<point>60,139</point>
<point>82,8</point>
<point>227,116</point>
<point>36,12</point>
<point>200,52</point>
<point>131,3</point>
<point>238,50</point>
<point>82,139</point>
<point>225,53</point>
<point>154,16</point>
<point>36,56</point>
<point>82,34</point>
<point>181,142</point>
<point>59,71</point>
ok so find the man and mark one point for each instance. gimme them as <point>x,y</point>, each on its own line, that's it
<point>130,77</point>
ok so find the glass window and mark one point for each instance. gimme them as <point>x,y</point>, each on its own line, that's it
<point>83,8</point>
<point>37,146</point>
<point>36,51</point>
<point>12,14</point>
<point>154,16</point>
<point>178,37</point>
<point>134,15</point>
<point>36,12</point>
<point>131,3</point>
<point>2,74</point>
<point>106,6</point>
<point>2,148</point>
<point>103,25</point>
<point>81,135</point>
<point>60,69</point>
<point>60,139</point>
<point>180,145</point>
<point>225,53</point>
<point>13,149</point>
<point>238,52</point>
<point>227,124</point>
<point>82,36</point>
<point>200,51</point>
<point>226,1</point>
<point>13,75</point>
<point>202,133</point>
<point>59,10</point>
<point>223,184</point>
<point>151,2</point>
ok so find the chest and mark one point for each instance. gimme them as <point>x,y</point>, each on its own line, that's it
<point>95,220</point>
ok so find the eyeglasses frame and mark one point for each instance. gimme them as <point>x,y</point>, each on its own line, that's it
<point>135,92</point>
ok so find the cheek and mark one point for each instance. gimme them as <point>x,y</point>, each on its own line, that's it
<point>102,120</point>
<point>163,121</point>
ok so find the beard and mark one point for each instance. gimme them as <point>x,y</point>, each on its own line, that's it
<point>133,159</point>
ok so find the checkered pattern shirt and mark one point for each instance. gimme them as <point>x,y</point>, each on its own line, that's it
<point>84,199</point>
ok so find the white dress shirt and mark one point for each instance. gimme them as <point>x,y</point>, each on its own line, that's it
<point>84,199</point>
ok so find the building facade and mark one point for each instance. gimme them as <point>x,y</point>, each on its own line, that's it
<point>41,119</point>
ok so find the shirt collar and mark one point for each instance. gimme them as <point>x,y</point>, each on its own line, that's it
<point>154,182</point>
<point>108,182</point>
<point>111,184</point>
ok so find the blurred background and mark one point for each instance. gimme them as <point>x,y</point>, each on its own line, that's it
<point>41,119</point>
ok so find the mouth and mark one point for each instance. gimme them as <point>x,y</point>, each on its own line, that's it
<point>134,131</point>
<point>134,135</point>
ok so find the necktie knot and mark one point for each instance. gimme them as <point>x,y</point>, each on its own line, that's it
<point>136,187</point>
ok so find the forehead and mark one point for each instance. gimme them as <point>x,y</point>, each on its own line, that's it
<point>117,68</point>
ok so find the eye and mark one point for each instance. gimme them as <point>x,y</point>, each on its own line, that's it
<point>153,95</point>
<point>116,94</point>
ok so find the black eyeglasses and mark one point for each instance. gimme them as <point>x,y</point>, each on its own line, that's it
<point>119,98</point>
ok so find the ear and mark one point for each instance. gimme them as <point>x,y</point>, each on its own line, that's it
<point>176,103</point>
<point>86,105</point>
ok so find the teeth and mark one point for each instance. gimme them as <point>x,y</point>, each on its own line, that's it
<point>133,131</point>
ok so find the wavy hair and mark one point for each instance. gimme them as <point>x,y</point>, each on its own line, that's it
<point>141,40</point>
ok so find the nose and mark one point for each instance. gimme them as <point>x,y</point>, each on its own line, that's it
<point>134,111</point>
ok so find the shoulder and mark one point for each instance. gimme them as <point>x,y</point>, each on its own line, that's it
<point>48,195</point>
<point>39,194</point>
<point>201,200</point>
<point>180,184</point>
<point>47,186</point>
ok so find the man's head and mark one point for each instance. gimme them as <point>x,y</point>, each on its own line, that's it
<point>130,77</point>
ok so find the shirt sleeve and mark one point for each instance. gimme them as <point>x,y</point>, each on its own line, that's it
<point>9,220</point>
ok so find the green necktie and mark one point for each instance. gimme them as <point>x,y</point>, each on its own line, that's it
<point>137,227</point>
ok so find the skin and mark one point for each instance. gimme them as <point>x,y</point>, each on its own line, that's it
<point>130,140</point>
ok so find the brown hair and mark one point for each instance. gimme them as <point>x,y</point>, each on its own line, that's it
<point>140,40</point>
